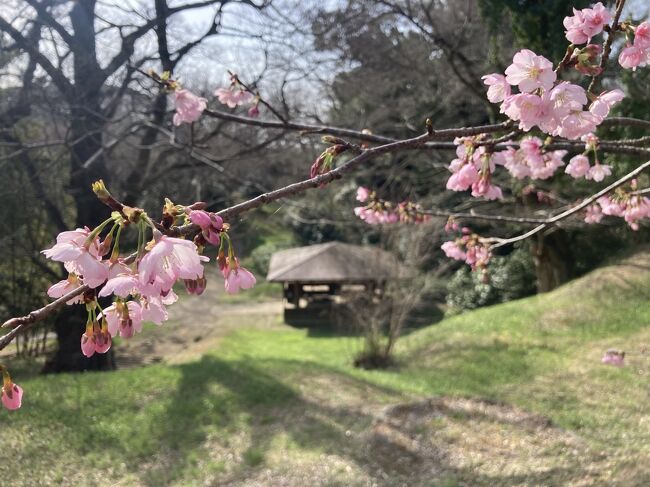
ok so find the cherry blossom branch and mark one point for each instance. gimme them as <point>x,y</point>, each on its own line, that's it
<point>21,324</point>
<point>270,107</point>
<point>500,242</point>
<point>607,48</point>
<point>440,134</point>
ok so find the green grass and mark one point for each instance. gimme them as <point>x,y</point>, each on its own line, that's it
<point>264,397</point>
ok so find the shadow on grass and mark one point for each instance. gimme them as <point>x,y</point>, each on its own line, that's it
<point>237,396</point>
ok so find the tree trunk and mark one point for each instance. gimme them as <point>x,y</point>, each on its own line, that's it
<point>87,165</point>
<point>552,260</point>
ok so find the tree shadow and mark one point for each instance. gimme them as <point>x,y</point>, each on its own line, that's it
<point>235,395</point>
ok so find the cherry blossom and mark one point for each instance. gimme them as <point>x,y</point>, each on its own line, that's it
<point>211,225</point>
<point>499,88</point>
<point>529,72</point>
<point>12,395</point>
<point>613,357</point>
<point>638,53</point>
<point>605,101</point>
<point>96,339</point>
<point>631,57</point>
<point>62,288</point>
<point>189,107</point>
<point>578,166</point>
<point>124,318</point>
<point>237,277</point>
<point>586,23</point>
<point>363,194</point>
<point>79,251</point>
<point>168,260</point>
<point>233,96</point>
<point>153,309</point>
<point>453,251</point>
<point>122,281</point>
<point>598,172</point>
<point>254,111</point>
<point>593,214</point>
<point>195,286</point>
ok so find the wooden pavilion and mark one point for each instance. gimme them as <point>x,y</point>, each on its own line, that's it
<point>318,277</point>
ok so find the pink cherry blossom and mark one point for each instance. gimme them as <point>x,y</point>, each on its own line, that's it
<point>122,281</point>
<point>189,107</point>
<point>88,342</point>
<point>211,225</point>
<point>577,124</point>
<point>453,251</point>
<point>12,395</point>
<point>610,207</point>
<point>477,256</point>
<point>153,310</point>
<point>62,288</point>
<point>586,23</point>
<point>254,111</point>
<point>578,166</point>
<point>463,179</point>
<point>598,172</point>
<point>529,110</point>
<point>567,97</point>
<point>593,214</point>
<point>642,35</point>
<point>613,357</point>
<point>363,194</point>
<point>498,89</point>
<point>574,33</point>
<point>636,208</point>
<point>591,141</point>
<point>168,259</point>
<point>79,256</point>
<point>605,101</point>
<point>195,286</point>
<point>631,57</point>
<point>233,96</point>
<point>485,188</point>
<point>124,318</point>
<point>237,277</point>
<point>96,338</point>
<point>529,71</point>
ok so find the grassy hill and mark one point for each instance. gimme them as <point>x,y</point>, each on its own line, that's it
<point>508,395</point>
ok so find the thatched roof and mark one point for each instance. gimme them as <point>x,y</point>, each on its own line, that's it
<point>332,262</point>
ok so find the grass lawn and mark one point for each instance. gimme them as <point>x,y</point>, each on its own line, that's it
<point>508,395</point>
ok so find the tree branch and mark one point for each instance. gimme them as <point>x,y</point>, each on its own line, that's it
<point>500,242</point>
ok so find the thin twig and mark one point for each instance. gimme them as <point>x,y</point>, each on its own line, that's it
<point>607,49</point>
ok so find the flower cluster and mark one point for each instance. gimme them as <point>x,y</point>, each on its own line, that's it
<point>628,205</point>
<point>189,106</point>
<point>586,23</point>
<point>638,53</point>
<point>237,94</point>
<point>531,160</point>
<point>378,211</point>
<point>556,108</point>
<point>142,283</point>
<point>470,248</point>
<point>580,167</point>
<point>473,168</point>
